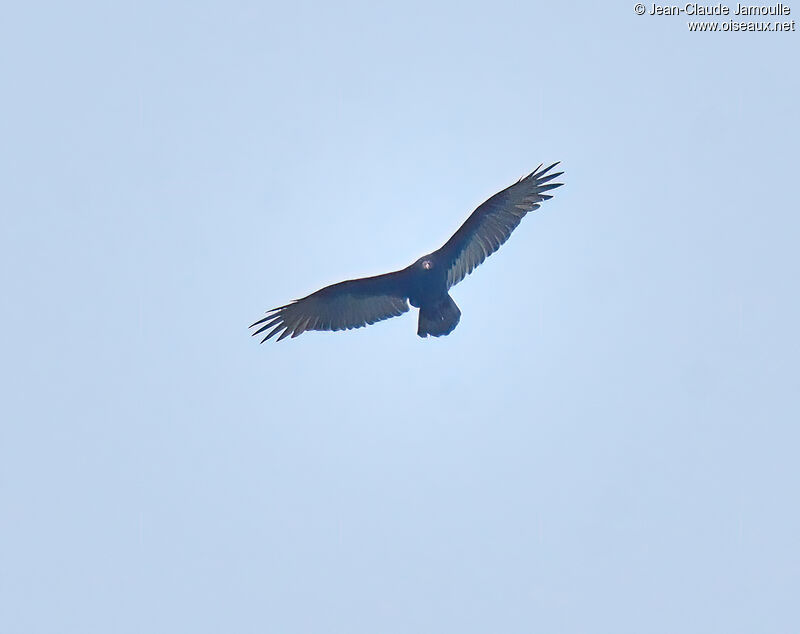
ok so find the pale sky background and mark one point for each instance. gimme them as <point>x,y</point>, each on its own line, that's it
<point>607,442</point>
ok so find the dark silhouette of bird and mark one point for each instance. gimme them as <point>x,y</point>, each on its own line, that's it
<point>425,284</point>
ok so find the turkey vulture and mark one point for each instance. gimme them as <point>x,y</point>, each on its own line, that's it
<point>356,303</point>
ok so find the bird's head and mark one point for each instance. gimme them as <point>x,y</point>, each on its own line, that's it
<point>426,263</point>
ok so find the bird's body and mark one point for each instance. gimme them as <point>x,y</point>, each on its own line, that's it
<point>427,290</point>
<point>425,283</point>
<point>428,281</point>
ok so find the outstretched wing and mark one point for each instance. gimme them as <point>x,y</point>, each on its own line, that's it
<point>490,224</point>
<point>350,304</point>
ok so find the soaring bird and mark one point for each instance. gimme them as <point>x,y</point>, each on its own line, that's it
<point>425,283</point>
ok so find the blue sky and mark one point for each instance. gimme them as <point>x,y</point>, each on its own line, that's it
<point>606,443</point>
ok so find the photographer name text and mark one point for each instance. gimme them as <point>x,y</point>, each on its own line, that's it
<point>694,8</point>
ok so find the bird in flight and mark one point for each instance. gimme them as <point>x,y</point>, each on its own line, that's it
<point>425,284</point>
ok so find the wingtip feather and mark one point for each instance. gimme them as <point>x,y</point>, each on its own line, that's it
<point>548,168</point>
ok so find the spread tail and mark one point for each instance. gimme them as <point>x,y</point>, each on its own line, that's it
<point>438,318</point>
